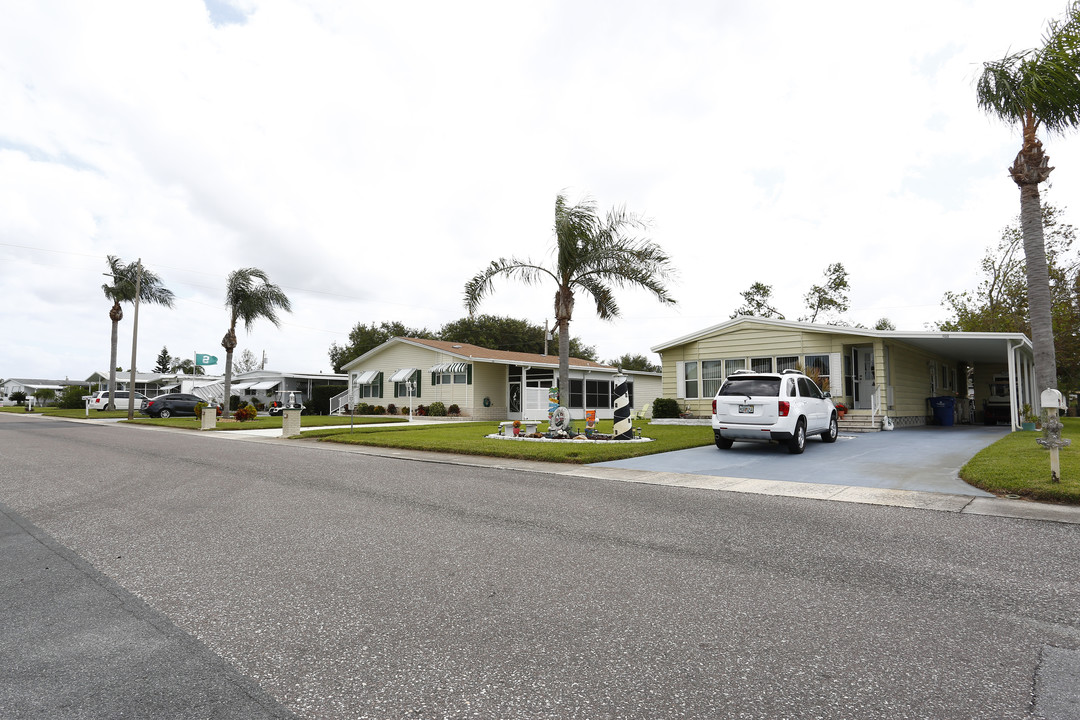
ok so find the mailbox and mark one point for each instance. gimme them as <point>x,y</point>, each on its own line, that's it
<point>1052,398</point>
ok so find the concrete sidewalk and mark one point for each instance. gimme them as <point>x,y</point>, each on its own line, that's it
<point>77,645</point>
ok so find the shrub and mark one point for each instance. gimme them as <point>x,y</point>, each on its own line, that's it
<point>319,402</point>
<point>420,410</point>
<point>436,409</point>
<point>665,408</point>
<point>248,412</point>
<point>72,398</point>
<point>199,408</point>
<point>363,409</point>
<point>19,397</point>
<point>453,410</point>
<point>378,410</point>
<point>391,409</point>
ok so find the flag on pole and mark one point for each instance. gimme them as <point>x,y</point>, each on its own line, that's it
<point>204,359</point>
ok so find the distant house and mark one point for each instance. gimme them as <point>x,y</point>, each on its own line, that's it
<point>266,385</point>
<point>871,371</point>
<point>32,385</point>
<point>485,384</point>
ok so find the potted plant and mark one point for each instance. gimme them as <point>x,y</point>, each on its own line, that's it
<point>1027,418</point>
<point>841,410</point>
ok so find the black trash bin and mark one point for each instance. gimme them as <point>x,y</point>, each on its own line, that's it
<point>943,409</point>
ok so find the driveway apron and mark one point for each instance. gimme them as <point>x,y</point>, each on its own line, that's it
<point>925,458</point>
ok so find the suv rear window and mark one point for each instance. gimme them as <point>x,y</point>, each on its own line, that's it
<point>752,386</point>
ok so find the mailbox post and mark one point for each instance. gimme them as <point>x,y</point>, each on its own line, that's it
<point>1053,402</point>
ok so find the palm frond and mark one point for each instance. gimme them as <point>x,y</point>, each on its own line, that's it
<point>250,295</point>
<point>606,307</point>
<point>481,284</point>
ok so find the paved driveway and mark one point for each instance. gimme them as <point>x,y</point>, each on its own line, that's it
<point>925,458</point>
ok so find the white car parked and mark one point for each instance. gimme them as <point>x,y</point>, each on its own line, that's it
<point>100,400</point>
<point>772,407</point>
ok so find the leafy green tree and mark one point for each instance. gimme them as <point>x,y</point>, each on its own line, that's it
<point>18,396</point>
<point>122,290</point>
<point>634,362</point>
<point>71,398</point>
<point>497,333</point>
<point>1000,302</point>
<point>364,337</point>
<point>884,324</point>
<point>44,395</point>
<point>593,256</point>
<point>1037,88</point>
<point>249,295</point>
<point>164,361</point>
<point>186,366</point>
<point>830,297</point>
<point>757,302</point>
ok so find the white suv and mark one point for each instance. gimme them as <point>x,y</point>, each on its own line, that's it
<point>780,407</point>
<point>100,400</point>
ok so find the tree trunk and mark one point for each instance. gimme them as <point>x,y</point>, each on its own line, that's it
<point>564,309</point>
<point>1038,285</point>
<point>1031,167</point>
<point>229,343</point>
<point>116,314</point>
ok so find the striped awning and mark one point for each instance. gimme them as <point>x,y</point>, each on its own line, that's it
<point>402,375</point>
<point>367,377</point>
<point>450,367</point>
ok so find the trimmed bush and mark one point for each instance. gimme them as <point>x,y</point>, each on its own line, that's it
<point>436,409</point>
<point>319,403</point>
<point>391,409</point>
<point>453,410</point>
<point>665,408</point>
<point>72,398</point>
<point>378,410</point>
<point>248,412</point>
<point>420,411</point>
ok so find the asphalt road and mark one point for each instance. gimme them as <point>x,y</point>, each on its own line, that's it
<point>351,586</point>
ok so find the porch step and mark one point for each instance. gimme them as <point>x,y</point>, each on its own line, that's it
<point>859,424</point>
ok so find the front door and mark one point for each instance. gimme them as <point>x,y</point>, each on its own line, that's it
<point>862,359</point>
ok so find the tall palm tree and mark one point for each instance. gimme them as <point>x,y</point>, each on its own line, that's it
<point>1037,88</point>
<point>591,256</point>
<point>249,295</point>
<point>121,290</point>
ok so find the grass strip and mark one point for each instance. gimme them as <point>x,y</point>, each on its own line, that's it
<point>1017,465</point>
<point>467,438</point>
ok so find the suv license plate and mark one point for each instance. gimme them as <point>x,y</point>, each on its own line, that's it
<point>746,409</point>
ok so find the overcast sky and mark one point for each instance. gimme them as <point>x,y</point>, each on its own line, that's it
<point>372,157</point>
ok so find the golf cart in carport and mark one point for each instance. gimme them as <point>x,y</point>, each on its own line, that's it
<point>286,400</point>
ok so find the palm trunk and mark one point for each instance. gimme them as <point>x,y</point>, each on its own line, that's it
<point>1031,167</point>
<point>229,343</point>
<point>112,364</point>
<point>1038,285</point>
<point>564,361</point>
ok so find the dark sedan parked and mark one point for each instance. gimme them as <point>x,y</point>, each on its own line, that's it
<point>166,406</point>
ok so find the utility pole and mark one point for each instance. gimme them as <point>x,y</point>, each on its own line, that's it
<point>134,338</point>
<point>546,335</point>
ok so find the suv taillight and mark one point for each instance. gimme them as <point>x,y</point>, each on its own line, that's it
<point>783,408</point>
<point>714,406</point>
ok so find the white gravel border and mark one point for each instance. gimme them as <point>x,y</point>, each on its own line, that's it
<point>496,436</point>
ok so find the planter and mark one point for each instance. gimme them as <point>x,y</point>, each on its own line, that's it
<point>1027,426</point>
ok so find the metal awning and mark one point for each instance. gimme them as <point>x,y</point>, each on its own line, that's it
<point>402,375</point>
<point>168,388</point>
<point>240,386</point>
<point>265,385</point>
<point>367,377</point>
<point>450,367</point>
<point>46,387</point>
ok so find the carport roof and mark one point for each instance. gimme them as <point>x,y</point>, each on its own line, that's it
<point>989,347</point>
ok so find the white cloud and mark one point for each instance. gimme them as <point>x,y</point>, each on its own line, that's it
<point>372,157</point>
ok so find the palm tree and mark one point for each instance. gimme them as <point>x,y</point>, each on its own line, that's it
<point>249,295</point>
<point>591,256</point>
<point>1038,88</point>
<point>122,289</point>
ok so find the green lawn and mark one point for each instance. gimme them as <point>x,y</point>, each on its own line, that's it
<point>268,422</point>
<point>1017,465</point>
<point>79,413</point>
<point>468,439</point>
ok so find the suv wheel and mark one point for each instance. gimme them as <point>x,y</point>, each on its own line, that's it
<point>830,434</point>
<point>722,442</point>
<point>798,441</point>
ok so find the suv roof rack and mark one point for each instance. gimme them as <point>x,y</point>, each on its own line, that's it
<point>743,371</point>
<point>791,371</point>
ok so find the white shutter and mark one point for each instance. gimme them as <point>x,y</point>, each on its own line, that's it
<point>836,374</point>
<point>680,379</point>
